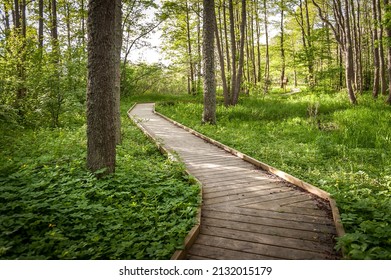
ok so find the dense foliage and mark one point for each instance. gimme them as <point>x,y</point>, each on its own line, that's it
<point>53,208</point>
<point>321,139</point>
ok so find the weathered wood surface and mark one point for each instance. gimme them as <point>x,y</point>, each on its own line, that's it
<point>246,212</point>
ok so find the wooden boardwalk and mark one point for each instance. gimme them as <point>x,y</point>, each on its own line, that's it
<point>246,212</point>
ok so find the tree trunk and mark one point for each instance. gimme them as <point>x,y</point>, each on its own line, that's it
<point>191,89</point>
<point>209,114</point>
<point>222,64</point>
<point>267,58</point>
<point>233,49</point>
<point>387,25</point>
<point>40,24</point>
<point>238,81</point>
<point>117,93</point>
<point>282,79</point>
<point>349,55</point>
<point>376,59</point>
<point>382,62</point>
<point>83,28</point>
<point>101,85</point>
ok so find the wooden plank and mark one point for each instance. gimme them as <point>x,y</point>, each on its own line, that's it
<point>235,182</point>
<point>270,221</point>
<point>259,192</point>
<point>324,238</point>
<point>257,201</point>
<point>197,258</point>
<point>288,209</point>
<point>207,251</point>
<point>266,251</point>
<point>292,243</point>
<point>270,214</point>
<point>242,185</point>
<point>240,190</point>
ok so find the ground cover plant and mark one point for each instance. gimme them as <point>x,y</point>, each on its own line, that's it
<point>322,139</point>
<point>51,207</point>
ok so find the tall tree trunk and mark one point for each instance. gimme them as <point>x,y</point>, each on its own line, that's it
<point>222,64</point>
<point>387,25</point>
<point>282,79</point>
<point>117,92</point>
<point>83,20</point>
<point>349,55</point>
<point>40,24</point>
<point>310,51</point>
<point>267,57</point>
<point>101,85</point>
<point>227,50</point>
<point>191,89</point>
<point>56,96</point>
<point>209,114</point>
<point>376,59</point>
<point>238,81</point>
<point>233,49</point>
<point>258,27</point>
<point>382,62</point>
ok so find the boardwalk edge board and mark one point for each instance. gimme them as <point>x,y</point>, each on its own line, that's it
<point>194,232</point>
<point>285,176</point>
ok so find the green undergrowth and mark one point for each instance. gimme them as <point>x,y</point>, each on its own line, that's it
<point>322,139</point>
<point>51,207</point>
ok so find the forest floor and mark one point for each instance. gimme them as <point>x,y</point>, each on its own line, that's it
<point>51,207</point>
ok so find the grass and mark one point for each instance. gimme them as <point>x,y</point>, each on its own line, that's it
<point>51,207</point>
<point>323,140</point>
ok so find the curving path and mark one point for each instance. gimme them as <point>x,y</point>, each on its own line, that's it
<point>246,212</point>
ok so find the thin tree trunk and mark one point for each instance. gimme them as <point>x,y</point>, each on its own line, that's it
<point>376,59</point>
<point>101,86</point>
<point>229,78</point>
<point>387,25</point>
<point>282,79</point>
<point>191,89</point>
<point>349,55</point>
<point>267,58</point>
<point>83,28</point>
<point>40,24</point>
<point>382,62</point>
<point>209,114</point>
<point>238,82</point>
<point>233,49</point>
<point>222,64</point>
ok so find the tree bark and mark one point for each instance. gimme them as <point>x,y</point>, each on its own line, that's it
<point>117,93</point>
<point>282,78</point>
<point>382,62</point>
<point>101,85</point>
<point>376,59</point>
<point>40,23</point>
<point>233,49</point>
<point>387,25</point>
<point>191,87</point>
<point>238,81</point>
<point>209,114</point>
<point>222,64</point>
<point>267,57</point>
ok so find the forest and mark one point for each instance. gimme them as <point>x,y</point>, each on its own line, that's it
<point>303,85</point>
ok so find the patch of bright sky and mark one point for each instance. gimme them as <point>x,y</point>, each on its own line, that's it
<point>152,52</point>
